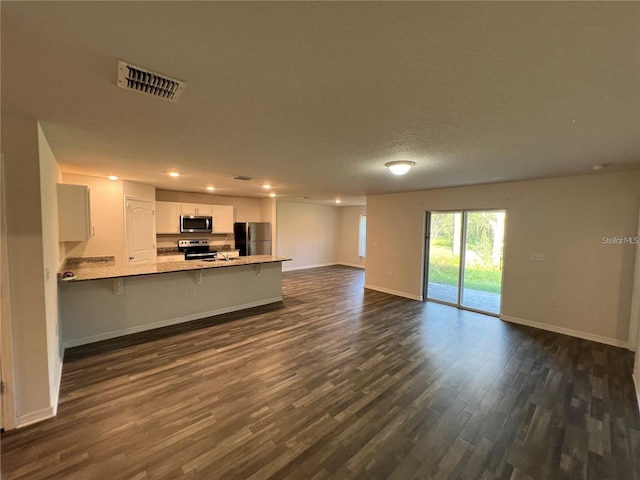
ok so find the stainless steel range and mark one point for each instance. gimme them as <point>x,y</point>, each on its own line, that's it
<point>196,250</point>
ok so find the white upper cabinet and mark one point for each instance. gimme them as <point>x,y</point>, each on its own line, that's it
<point>199,209</point>
<point>168,217</point>
<point>222,219</point>
<point>74,213</point>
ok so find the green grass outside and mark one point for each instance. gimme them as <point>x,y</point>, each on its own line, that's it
<point>443,269</point>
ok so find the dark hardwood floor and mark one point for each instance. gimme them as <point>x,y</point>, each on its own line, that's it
<point>338,382</point>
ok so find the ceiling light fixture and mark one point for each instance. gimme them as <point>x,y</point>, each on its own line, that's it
<point>113,178</point>
<point>267,186</point>
<point>174,174</point>
<point>211,189</point>
<point>400,167</point>
<point>338,201</point>
<point>272,194</point>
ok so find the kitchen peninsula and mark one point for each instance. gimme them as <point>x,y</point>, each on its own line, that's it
<point>99,303</point>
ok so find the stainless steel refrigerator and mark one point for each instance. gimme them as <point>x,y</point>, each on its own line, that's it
<point>253,238</point>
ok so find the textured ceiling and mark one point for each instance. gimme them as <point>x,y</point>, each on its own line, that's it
<point>314,97</point>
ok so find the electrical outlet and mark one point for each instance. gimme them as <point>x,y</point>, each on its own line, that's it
<point>537,257</point>
<point>390,274</point>
<point>192,293</point>
<point>552,302</point>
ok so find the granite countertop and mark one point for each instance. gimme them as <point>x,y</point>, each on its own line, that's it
<point>97,273</point>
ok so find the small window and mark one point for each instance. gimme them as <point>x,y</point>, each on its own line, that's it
<point>362,237</point>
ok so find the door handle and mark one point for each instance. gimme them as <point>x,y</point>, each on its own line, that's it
<point>131,258</point>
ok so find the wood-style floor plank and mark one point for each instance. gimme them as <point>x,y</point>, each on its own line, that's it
<point>337,382</point>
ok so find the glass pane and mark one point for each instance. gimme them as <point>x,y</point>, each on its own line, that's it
<point>444,256</point>
<point>362,237</point>
<point>482,277</point>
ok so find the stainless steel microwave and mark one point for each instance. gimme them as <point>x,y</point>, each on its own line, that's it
<point>195,224</point>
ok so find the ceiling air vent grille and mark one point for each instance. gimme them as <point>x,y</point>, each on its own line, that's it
<point>144,81</point>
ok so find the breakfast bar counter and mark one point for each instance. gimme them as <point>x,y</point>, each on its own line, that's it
<point>98,273</point>
<point>99,303</point>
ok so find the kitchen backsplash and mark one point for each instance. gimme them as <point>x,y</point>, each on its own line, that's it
<point>172,242</point>
<point>166,248</point>
<point>167,251</point>
<point>88,262</point>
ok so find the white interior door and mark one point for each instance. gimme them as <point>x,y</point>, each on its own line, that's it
<point>140,232</point>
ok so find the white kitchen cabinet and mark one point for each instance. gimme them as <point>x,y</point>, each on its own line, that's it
<point>222,219</point>
<point>168,217</point>
<point>74,213</point>
<point>199,209</point>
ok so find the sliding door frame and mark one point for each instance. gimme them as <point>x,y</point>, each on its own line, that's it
<point>461,267</point>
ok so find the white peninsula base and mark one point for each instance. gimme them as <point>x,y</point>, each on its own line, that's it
<point>100,309</point>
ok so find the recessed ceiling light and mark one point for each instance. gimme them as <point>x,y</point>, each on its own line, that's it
<point>272,194</point>
<point>113,178</point>
<point>174,174</point>
<point>338,201</point>
<point>267,186</point>
<point>211,189</point>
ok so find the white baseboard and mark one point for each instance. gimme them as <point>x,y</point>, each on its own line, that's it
<point>168,322</point>
<point>394,292</point>
<point>566,331</point>
<point>354,265</point>
<point>318,265</point>
<point>305,267</point>
<point>34,417</point>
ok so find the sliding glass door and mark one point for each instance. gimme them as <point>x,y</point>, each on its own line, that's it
<point>482,269</point>
<point>444,257</point>
<point>464,266</point>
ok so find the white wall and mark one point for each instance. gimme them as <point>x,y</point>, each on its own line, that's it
<point>138,191</point>
<point>348,236</point>
<point>306,233</point>
<point>268,210</point>
<point>107,218</point>
<point>269,213</point>
<point>564,218</point>
<point>26,269</point>
<point>51,248</point>
<point>634,320</point>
